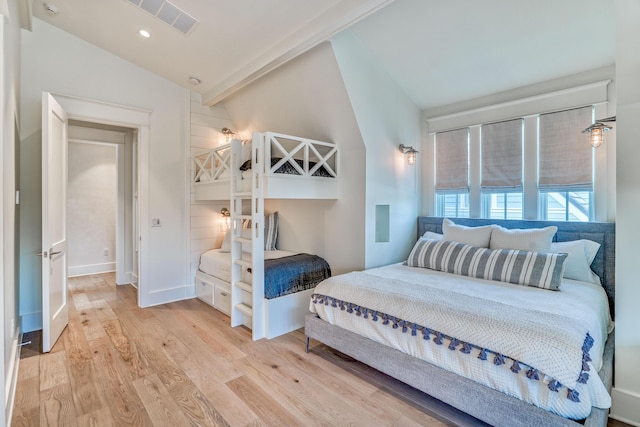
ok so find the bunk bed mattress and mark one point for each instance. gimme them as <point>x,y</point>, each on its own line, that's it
<point>217,263</point>
<point>511,338</point>
<point>285,272</point>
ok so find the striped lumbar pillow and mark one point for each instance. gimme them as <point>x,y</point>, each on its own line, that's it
<point>270,231</point>
<point>542,270</point>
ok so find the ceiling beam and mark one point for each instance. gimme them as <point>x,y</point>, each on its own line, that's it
<point>335,19</point>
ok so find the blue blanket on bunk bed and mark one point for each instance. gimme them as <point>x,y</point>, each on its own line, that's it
<point>293,273</point>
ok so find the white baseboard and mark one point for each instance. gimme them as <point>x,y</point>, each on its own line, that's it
<point>625,406</point>
<point>12,381</point>
<point>83,270</point>
<point>31,322</point>
<point>166,296</point>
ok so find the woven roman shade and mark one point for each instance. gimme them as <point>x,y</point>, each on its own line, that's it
<point>502,157</point>
<point>566,157</point>
<point>452,161</point>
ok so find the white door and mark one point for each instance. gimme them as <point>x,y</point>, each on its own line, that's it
<point>55,312</point>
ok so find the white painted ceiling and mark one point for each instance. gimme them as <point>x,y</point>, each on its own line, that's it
<point>444,52</point>
<point>441,52</point>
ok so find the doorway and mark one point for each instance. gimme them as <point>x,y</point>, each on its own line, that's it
<point>104,115</point>
<point>101,205</point>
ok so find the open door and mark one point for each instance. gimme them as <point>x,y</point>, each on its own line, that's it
<point>55,311</point>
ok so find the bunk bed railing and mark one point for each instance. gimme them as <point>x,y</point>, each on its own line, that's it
<point>211,165</point>
<point>304,157</point>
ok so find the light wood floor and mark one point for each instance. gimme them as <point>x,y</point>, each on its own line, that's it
<point>180,364</point>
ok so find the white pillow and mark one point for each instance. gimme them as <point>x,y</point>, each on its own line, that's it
<point>226,242</point>
<point>529,239</point>
<point>581,254</point>
<point>431,235</point>
<point>474,236</point>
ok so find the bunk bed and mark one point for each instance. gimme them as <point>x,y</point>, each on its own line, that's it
<point>467,373</point>
<point>298,168</point>
<point>271,165</point>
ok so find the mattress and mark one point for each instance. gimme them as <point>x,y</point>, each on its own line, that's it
<point>218,264</point>
<point>361,303</point>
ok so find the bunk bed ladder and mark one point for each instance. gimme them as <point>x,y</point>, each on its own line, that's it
<point>247,204</point>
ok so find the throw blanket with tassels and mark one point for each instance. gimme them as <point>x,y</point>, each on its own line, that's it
<point>546,347</point>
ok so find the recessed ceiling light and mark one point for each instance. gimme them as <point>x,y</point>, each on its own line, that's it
<point>51,9</point>
<point>144,33</point>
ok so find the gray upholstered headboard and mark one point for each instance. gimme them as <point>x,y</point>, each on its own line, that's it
<point>602,232</point>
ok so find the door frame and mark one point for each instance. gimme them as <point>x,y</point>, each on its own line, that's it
<point>138,119</point>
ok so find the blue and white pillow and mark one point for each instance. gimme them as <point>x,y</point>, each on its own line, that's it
<point>270,231</point>
<point>538,269</point>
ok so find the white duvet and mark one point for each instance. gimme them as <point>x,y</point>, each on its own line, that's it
<point>539,328</point>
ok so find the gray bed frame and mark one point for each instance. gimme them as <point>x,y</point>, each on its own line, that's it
<point>483,403</point>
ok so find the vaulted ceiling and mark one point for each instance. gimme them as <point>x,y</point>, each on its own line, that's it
<point>440,52</point>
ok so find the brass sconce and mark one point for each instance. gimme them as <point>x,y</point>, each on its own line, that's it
<point>410,152</point>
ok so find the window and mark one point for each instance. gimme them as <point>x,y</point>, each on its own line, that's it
<point>501,184</point>
<point>452,173</point>
<point>453,205</point>
<point>565,178</point>
<point>567,206</point>
<point>502,205</point>
<point>539,166</point>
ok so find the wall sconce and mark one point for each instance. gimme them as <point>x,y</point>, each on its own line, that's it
<point>226,215</point>
<point>410,152</point>
<point>596,131</point>
<point>228,134</point>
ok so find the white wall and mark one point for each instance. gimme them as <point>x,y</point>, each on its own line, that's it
<point>387,118</point>
<point>9,95</point>
<point>91,208</point>
<point>626,395</point>
<point>307,97</point>
<point>58,62</point>
<point>207,227</point>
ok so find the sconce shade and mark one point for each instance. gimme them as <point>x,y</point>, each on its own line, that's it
<point>596,131</point>
<point>410,152</point>
<point>228,134</point>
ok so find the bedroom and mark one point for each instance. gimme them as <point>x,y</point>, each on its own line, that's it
<point>350,121</point>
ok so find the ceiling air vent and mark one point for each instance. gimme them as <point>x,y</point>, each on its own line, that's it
<point>168,13</point>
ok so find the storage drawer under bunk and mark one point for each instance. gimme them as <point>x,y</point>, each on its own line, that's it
<point>216,294</point>
<point>204,291</point>
<point>222,299</point>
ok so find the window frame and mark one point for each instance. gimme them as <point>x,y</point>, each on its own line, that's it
<point>594,94</point>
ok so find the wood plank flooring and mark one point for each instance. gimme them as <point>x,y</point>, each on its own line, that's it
<point>180,364</point>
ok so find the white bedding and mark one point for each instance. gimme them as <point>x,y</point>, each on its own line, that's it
<point>218,264</point>
<point>579,303</point>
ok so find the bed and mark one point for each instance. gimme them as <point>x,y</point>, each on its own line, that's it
<point>343,321</point>
<point>289,279</point>
<point>299,168</point>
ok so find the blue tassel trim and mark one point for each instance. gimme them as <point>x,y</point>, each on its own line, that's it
<point>466,348</point>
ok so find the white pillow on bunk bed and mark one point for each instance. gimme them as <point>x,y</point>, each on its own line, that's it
<point>270,235</point>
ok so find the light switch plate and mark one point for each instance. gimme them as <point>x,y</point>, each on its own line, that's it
<point>155,222</point>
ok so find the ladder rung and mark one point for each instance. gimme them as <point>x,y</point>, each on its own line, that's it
<point>246,194</point>
<point>242,216</point>
<point>244,263</point>
<point>247,287</point>
<point>242,240</point>
<point>245,309</point>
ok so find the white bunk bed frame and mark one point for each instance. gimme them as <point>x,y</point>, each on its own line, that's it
<point>213,173</point>
<point>217,176</point>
